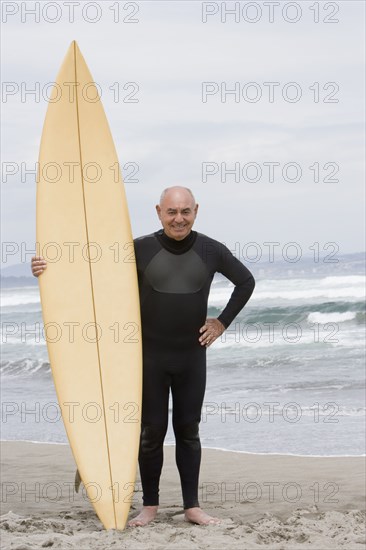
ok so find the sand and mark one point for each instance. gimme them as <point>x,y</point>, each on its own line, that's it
<point>271,501</point>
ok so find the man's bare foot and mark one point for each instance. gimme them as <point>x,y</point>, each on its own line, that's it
<point>197,515</point>
<point>146,515</point>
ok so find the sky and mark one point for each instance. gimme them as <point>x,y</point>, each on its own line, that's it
<point>280,159</point>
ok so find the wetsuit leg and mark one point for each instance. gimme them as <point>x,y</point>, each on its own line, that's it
<point>188,389</point>
<point>155,408</point>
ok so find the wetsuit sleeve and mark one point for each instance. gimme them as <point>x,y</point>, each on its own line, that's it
<point>244,283</point>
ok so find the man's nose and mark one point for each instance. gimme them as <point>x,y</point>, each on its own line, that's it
<point>179,217</point>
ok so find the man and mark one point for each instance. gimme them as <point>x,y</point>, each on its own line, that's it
<point>176,266</point>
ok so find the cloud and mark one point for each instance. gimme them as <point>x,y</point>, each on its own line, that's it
<point>170,132</point>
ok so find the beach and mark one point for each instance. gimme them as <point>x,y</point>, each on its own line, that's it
<point>256,111</point>
<point>273,501</point>
<point>285,401</point>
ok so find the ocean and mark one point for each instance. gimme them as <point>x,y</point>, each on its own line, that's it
<point>288,376</point>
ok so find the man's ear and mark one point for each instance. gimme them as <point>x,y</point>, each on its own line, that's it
<point>158,210</point>
<point>196,209</point>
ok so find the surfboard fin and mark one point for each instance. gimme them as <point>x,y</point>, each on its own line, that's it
<point>77,481</point>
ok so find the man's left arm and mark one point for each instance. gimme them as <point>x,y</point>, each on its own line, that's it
<point>244,282</point>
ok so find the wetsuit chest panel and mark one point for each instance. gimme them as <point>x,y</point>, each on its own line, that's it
<point>176,273</point>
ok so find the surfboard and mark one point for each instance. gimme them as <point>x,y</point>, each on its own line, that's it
<point>89,291</point>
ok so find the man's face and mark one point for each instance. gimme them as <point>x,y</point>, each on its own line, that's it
<point>177,213</point>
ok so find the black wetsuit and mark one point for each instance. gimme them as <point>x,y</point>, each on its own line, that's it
<point>174,282</point>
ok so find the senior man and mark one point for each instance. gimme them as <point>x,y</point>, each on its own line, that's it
<point>176,266</point>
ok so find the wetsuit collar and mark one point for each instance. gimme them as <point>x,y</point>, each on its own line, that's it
<point>174,246</point>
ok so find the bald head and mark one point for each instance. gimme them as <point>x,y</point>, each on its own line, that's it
<point>177,211</point>
<point>177,190</point>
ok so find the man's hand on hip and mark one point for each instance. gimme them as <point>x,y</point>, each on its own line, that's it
<point>211,330</point>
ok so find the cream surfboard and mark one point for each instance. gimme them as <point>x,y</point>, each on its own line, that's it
<point>89,291</point>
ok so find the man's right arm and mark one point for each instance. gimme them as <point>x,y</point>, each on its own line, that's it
<point>39,264</point>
